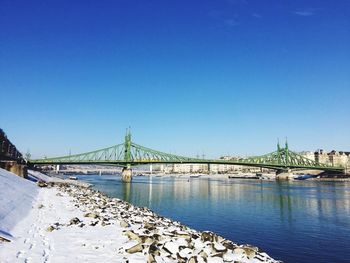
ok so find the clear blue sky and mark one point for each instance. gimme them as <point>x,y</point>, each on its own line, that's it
<point>190,77</point>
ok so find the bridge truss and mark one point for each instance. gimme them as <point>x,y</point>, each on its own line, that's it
<point>131,154</point>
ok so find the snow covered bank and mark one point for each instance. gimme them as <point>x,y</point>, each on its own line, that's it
<point>71,223</point>
<point>37,176</point>
<point>79,224</point>
<point>17,195</point>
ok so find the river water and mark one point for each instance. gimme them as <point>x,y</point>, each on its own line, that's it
<point>301,221</point>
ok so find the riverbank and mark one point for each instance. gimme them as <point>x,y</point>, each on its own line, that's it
<point>264,176</point>
<point>68,222</point>
<point>258,176</point>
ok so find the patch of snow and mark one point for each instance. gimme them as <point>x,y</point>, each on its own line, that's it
<point>219,247</point>
<point>172,247</point>
<point>185,253</point>
<point>17,196</point>
<point>73,243</point>
<point>37,176</point>
<point>42,177</point>
<point>215,260</point>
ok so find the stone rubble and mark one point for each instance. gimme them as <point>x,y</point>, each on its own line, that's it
<point>156,238</point>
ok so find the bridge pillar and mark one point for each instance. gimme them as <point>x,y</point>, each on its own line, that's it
<point>14,167</point>
<point>284,175</point>
<point>126,175</point>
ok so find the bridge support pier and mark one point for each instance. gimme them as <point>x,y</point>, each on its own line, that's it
<point>126,175</point>
<point>284,175</point>
<point>14,167</point>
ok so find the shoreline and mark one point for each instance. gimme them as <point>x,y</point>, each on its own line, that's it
<point>69,220</point>
<point>263,176</point>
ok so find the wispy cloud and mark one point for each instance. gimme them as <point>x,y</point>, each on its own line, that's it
<point>256,15</point>
<point>221,19</point>
<point>235,2</point>
<point>231,22</point>
<point>305,12</point>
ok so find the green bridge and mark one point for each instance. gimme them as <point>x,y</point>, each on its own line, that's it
<point>130,154</point>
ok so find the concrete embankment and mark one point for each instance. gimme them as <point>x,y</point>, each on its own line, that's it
<point>15,167</point>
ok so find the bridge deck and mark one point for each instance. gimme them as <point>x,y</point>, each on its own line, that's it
<point>223,162</point>
<point>131,154</point>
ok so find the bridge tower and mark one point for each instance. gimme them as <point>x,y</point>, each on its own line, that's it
<point>127,171</point>
<point>287,152</point>
<point>283,173</point>
<point>278,152</point>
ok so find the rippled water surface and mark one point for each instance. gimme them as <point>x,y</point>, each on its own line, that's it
<point>291,221</point>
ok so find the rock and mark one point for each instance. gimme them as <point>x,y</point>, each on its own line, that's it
<point>194,236</point>
<point>219,247</point>
<point>250,251</point>
<point>124,224</point>
<point>50,229</point>
<point>157,237</point>
<point>208,236</point>
<point>256,249</point>
<point>146,239</point>
<point>134,249</point>
<point>183,234</point>
<point>185,253</point>
<point>74,221</point>
<point>229,245</point>
<point>91,215</point>
<point>166,233</point>
<point>94,223</point>
<point>131,235</point>
<point>193,260</point>
<point>153,249</point>
<point>171,247</point>
<point>41,184</point>
<point>239,251</point>
<point>151,259</point>
<point>203,254</point>
<point>149,226</point>
<point>182,243</point>
<point>40,206</point>
<point>2,239</point>
<point>262,257</point>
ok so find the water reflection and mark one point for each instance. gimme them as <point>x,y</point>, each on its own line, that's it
<point>290,220</point>
<point>126,192</point>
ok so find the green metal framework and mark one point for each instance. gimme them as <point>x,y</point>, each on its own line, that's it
<point>129,154</point>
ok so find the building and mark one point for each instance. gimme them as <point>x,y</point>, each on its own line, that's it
<point>332,158</point>
<point>339,158</point>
